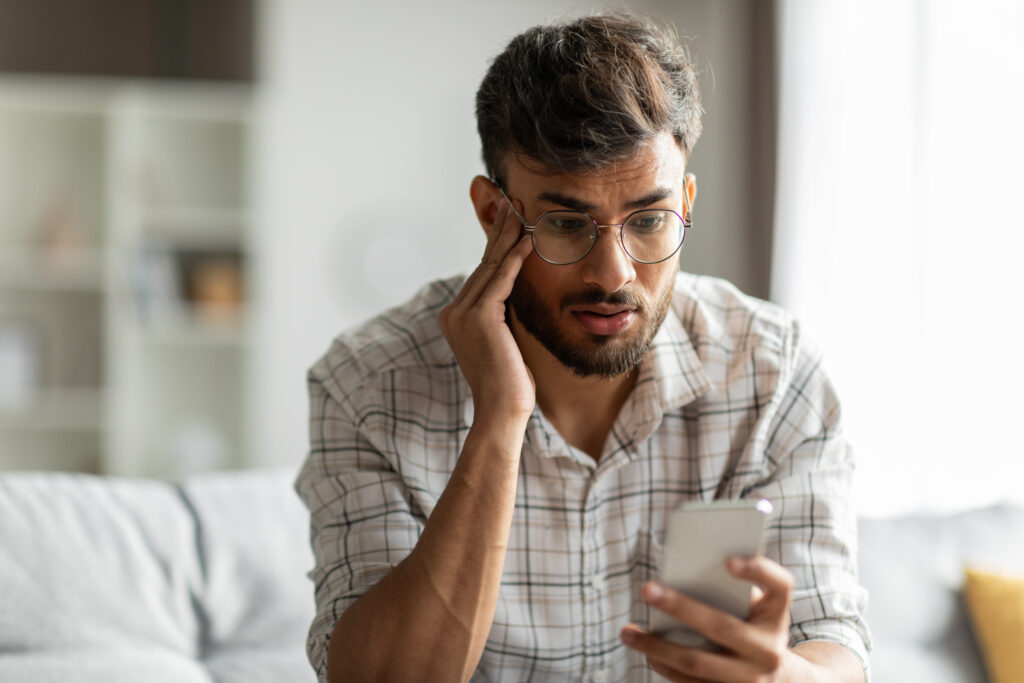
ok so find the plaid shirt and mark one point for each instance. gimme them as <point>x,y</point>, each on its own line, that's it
<point>729,403</point>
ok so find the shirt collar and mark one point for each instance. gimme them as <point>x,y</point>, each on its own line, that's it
<point>671,376</point>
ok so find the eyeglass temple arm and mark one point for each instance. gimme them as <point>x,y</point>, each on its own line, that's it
<point>522,219</point>
<point>688,220</point>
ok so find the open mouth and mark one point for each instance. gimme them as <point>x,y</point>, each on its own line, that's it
<point>604,321</point>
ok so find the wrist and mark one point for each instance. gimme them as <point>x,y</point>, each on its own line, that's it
<point>502,421</point>
<point>822,662</point>
<point>497,436</point>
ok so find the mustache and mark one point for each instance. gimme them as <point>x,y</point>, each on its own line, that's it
<point>589,297</point>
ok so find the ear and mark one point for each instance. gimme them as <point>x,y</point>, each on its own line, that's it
<point>690,188</point>
<point>485,197</point>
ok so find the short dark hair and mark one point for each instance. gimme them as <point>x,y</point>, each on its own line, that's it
<point>576,96</point>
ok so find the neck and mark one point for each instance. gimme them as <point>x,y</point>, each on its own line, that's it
<point>582,409</point>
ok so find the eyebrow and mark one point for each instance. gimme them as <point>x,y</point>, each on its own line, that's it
<point>575,204</point>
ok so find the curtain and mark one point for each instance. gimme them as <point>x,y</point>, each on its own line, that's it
<point>899,241</point>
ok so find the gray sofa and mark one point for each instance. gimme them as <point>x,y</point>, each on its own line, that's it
<point>123,581</point>
<point>114,580</point>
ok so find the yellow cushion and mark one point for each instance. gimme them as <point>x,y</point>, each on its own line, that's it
<point>995,603</point>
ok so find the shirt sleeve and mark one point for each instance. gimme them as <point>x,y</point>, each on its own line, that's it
<point>363,519</point>
<point>814,526</point>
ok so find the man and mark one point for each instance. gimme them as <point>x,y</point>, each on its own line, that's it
<point>492,464</point>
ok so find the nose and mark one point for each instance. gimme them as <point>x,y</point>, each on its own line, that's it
<point>608,266</point>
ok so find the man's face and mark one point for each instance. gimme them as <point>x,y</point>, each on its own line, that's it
<point>597,316</point>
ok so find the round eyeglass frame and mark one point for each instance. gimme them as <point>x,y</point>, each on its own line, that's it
<point>531,228</point>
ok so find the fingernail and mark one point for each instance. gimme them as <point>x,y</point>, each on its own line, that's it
<point>736,564</point>
<point>628,636</point>
<point>653,592</point>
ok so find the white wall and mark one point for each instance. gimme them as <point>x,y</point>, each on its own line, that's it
<point>899,237</point>
<point>367,146</point>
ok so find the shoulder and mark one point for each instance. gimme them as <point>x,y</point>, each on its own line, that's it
<point>406,337</point>
<point>715,313</point>
<point>762,366</point>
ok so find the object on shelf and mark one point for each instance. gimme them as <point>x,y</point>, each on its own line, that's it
<point>156,283</point>
<point>214,285</point>
<point>59,233</point>
<point>174,286</point>
<point>19,366</point>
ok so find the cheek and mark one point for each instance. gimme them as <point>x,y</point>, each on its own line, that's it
<point>549,282</point>
<point>659,278</point>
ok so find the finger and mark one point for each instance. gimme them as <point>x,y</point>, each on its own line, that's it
<point>500,286</point>
<point>498,248</point>
<point>709,621</point>
<point>775,580</point>
<point>510,229</point>
<point>471,286</point>
<point>683,663</point>
<point>507,229</point>
<point>631,636</point>
<point>747,640</point>
<point>497,225</point>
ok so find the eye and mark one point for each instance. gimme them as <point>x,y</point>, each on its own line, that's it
<point>648,222</point>
<point>568,224</point>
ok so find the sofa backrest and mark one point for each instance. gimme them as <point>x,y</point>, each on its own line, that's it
<point>130,580</point>
<point>913,568</point>
<point>126,580</point>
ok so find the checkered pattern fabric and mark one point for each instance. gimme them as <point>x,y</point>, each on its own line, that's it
<point>730,403</point>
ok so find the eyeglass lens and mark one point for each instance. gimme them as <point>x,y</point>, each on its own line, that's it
<point>648,236</point>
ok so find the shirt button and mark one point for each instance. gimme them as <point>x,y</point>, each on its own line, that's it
<point>599,676</point>
<point>597,581</point>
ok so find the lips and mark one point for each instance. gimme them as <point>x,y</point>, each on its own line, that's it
<point>604,319</point>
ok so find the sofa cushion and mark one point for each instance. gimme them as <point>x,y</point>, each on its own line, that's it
<point>254,546</point>
<point>128,580</point>
<point>913,568</point>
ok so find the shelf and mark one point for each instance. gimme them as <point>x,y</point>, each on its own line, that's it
<point>198,103</point>
<point>55,94</point>
<point>201,102</point>
<point>193,332</point>
<point>51,177</point>
<point>195,227</point>
<point>63,451</point>
<point>177,162</point>
<point>67,409</point>
<point>78,270</point>
<point>126,243</point>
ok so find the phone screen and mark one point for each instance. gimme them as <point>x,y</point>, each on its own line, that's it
<point>699,538</point>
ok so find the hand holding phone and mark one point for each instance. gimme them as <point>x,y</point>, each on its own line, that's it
<point>699,538</point>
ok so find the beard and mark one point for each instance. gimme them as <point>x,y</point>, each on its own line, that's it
<point>606,356</point>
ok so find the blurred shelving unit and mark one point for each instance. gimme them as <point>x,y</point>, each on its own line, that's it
<point>125,246</point>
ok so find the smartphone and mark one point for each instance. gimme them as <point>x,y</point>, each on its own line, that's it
<point>699,538</point>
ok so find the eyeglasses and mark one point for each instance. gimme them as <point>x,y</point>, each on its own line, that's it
<point>647,236</point>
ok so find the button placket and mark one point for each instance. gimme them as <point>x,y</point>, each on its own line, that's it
<point>594,581</point>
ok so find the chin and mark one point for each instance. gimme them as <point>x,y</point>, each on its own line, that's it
<point>592,355</point>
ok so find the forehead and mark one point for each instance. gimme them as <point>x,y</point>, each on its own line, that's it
<point>660,163</point>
